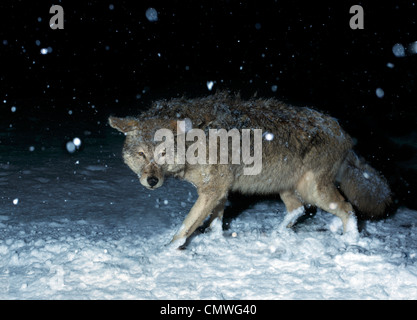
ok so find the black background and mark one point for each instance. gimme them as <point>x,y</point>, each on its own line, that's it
<point>111,60</point>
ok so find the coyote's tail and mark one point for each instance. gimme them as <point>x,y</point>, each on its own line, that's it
<point>364,187</point>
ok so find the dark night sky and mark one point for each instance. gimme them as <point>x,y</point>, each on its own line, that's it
<point>110,59</point>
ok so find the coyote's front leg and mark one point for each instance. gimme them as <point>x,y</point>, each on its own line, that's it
<point>205,204</point>
<point>213,183</point>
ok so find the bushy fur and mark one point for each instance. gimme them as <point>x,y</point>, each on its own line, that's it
<point>365,188</point>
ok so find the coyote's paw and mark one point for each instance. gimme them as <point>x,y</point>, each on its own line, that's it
<point>336,225</point>
<point>291,218</point>
<point>351,233</point>
<point>176,244</point>
<point>216,227</point>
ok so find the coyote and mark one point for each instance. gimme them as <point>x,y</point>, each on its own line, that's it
<point>307,158</point>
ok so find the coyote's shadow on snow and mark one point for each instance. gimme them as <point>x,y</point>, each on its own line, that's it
<point>238,203</point>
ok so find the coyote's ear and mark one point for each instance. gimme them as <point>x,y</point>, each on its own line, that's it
<point>124,125</point>
<point>181,126</point>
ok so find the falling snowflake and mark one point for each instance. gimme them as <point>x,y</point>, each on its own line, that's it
<point>398,50</point>
<point>151,14</point>
<point>210,85</point>
<point>380,93</point>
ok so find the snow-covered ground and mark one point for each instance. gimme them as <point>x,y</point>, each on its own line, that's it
<point>82,227</point>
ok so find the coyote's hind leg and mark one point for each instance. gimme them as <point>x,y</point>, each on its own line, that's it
<point>295,208</point>
<point>324,194</point>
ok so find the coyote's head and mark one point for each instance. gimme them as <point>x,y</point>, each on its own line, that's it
<point>141,152</point>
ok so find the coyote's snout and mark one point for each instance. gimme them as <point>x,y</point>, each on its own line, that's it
<point>305,158</point>
<point>151,177</point>
<point>152,181</point>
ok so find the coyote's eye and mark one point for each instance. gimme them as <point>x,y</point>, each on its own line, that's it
<point>142,154</point>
